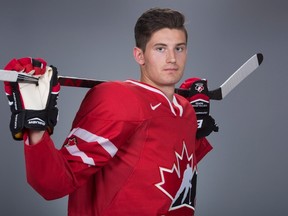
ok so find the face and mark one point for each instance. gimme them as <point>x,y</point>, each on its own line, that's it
<point>163,62</point>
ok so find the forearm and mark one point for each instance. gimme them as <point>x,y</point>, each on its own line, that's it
<point>47,170</point>
<point>35,136</point>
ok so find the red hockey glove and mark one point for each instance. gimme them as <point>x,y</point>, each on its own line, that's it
<point>200,101</point>
<point>32,106</point>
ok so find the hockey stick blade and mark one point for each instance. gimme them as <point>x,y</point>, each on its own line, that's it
<point>237,77</point>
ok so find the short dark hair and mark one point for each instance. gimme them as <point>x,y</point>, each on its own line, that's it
<point>155,19</point>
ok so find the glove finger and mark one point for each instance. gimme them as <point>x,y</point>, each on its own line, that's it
<point>215,128</point>
<point>196,86</point>
<point>14,64</point>
<point>52,103</point>
<point>33,66</point>
<point>54,87</point>
<point>14,97</point>
<point>212,124</point>
<point>188,82</point>
<point>8,88</point>
<point>39,65</point>
<point>27,64</point>
<point>54,79</point>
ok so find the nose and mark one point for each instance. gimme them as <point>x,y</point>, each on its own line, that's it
<point>171,57</point>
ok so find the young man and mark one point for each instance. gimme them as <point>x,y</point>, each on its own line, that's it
<point>132,148</point>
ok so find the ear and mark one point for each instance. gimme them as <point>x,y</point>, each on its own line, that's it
<point>138,55</point>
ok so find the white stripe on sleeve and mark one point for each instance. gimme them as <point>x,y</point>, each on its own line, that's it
<point>90,137</point>
<point>75,151</point>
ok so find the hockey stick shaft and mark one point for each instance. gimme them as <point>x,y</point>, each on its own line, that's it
<point>78,82</point>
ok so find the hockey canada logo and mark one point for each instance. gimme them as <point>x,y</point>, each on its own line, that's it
<point>199,87</point>
<point>183,174</point>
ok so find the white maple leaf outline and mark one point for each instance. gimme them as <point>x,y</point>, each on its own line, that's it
<point>174,168</point>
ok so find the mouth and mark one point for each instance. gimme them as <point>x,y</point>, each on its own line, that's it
<point>171,69</point>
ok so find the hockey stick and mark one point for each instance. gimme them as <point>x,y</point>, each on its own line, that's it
<point>218,94</point>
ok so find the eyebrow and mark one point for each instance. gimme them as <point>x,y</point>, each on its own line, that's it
<point>163,44</point>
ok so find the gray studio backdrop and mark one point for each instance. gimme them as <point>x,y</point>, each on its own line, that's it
<point>246,173</point>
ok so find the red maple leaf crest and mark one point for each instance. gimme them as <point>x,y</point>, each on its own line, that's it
<point>71,142</point>
<point>179,182</point>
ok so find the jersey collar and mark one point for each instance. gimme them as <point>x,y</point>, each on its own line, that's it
<point>156,90</point>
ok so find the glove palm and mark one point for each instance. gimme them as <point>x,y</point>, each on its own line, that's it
<point>33,106</point>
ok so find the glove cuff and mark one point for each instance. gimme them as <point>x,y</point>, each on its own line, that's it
<point>36,119</point>
<point>41,119</point>
<point>30,119</point>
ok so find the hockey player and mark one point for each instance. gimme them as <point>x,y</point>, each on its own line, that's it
<point>132,148</point>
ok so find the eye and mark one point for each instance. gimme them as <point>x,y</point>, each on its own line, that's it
<point>160,49</point>
<point>180,48</point>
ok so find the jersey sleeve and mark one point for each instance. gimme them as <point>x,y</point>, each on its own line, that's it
<point>202,148</point>
<point>107,117</point>
<point>202,145</point>
<point>47,170</point>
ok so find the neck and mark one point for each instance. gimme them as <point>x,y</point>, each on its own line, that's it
<point>168,91</point>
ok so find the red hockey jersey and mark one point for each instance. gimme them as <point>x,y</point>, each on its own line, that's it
<point>130,152</point>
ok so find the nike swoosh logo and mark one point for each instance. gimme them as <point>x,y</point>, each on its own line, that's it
<point>155,106</point>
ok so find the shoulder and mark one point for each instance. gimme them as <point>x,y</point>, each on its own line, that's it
<point>112,92</point>
<point>111,100</point>
<point>109,86</point>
